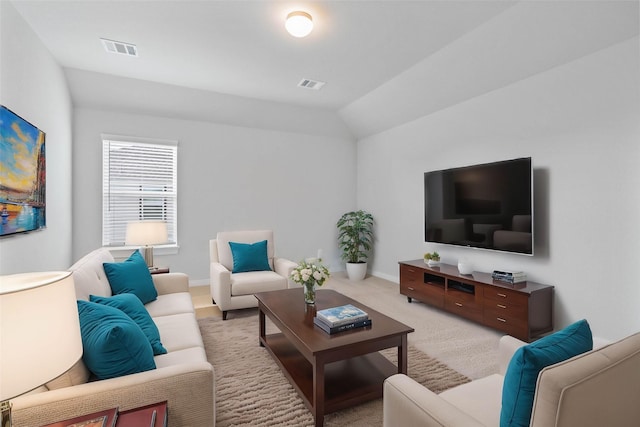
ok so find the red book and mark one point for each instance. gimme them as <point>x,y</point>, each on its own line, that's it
<point>154,415</point>
<point>106,418</point>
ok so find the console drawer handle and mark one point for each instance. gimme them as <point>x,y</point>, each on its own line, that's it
<point>458,304</point>
<point>411,271</point>
<point>502,295</point>
<point>501,306</point>
<point>501,319</point>
<point>411,289</point>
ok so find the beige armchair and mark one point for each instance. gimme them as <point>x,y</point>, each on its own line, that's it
<point>233,291</point>
<point>593,389</point>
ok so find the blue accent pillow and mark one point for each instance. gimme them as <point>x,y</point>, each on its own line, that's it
<point>131,276</point>
<point>113,345</point>
<point>519,385</point>
<point>249,257</point>
<point>132,307</point>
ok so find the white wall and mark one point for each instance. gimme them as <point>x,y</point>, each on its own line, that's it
<point>229,178</point>
<point>33,86</point>
<point>579,123</point>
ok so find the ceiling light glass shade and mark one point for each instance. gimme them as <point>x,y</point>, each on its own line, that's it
<point>299,24</point>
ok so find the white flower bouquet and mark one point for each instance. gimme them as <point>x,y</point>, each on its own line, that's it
<point>309,275</point>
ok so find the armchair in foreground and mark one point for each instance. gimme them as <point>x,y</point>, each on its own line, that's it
<point>593,389</point>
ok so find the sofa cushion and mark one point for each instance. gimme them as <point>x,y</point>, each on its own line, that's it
<point>256,281</point>
<point>179,331</point>
<point>113,345</point>
<point>179,357</point>
<point>78,374</point>
<point>249,256</point>
<point>132,307</point>
<point>131,276</point>
<point>165,305</point>
<point>481,399</point>
<point>522,373</point>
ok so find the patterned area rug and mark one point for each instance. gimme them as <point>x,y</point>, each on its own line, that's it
<point>252,391</point>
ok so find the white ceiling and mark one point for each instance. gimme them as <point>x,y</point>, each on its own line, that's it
<point>365,50</point>
<point>241,47</point>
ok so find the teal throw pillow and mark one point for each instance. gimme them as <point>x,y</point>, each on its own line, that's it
<point>131,276</point>
<point>249,257</point>
<point>519,385</point>
<point>133,307</point>
<point>113,345</point>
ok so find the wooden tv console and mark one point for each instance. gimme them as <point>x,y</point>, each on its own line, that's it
<point>523,310</point>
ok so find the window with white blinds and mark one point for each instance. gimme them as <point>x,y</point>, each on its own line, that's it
<point>139,182</point>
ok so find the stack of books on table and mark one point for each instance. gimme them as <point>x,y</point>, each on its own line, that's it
<point>342,318</point>
<point>509,276</point>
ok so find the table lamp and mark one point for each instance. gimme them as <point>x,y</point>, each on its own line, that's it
<point>146,233</point>
<point>39,332</point>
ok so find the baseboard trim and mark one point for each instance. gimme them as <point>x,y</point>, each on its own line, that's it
<point>394,279</point>
<point>388,277</point>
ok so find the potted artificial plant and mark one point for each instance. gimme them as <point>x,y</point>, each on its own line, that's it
<point>432,259</point>
<point>355,238</point>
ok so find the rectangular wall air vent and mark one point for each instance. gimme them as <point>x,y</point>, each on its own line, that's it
<point>311,84</point>
<point>122,48</point>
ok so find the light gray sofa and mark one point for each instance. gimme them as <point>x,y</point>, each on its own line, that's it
<point>183,376</point>
<point>594,389</point>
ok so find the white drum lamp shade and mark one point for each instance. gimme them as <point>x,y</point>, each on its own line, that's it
<point>146,233</point>
<point>39,330</point>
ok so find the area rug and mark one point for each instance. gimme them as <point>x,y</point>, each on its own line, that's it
<point>252,391</point>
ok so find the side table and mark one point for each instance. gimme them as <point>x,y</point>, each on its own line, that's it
<point>154,415</point>
<point>158,270</point>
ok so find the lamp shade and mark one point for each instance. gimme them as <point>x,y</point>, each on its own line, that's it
<point>39,330</point>
<point>146,233</point>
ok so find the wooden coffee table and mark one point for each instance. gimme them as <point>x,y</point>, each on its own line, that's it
<point>329,372</point>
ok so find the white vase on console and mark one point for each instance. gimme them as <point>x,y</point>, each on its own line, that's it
<point>464,266</point>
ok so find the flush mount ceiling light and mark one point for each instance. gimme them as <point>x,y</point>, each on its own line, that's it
<point>299,24</point>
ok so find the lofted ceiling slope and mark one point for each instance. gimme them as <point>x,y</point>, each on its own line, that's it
<point>232,61</point>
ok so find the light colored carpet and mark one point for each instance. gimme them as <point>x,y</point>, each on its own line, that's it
<point>465,346</point>
<point>252,391</point>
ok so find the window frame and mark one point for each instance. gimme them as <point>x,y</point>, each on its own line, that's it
<point>171,216</point>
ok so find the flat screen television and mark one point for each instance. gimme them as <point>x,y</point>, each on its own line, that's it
<point>22,175</point>
<point>488,206</point>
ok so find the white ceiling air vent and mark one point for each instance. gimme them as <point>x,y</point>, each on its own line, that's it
<point>311,84</point>
<point>122,48</point>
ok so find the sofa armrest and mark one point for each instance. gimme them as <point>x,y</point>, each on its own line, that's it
<point>284,267</point>
<point>220,282</point>
<point>169,283</point>
<point>506,348</point>
<point>175,384</point>
<point>409,404</point>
